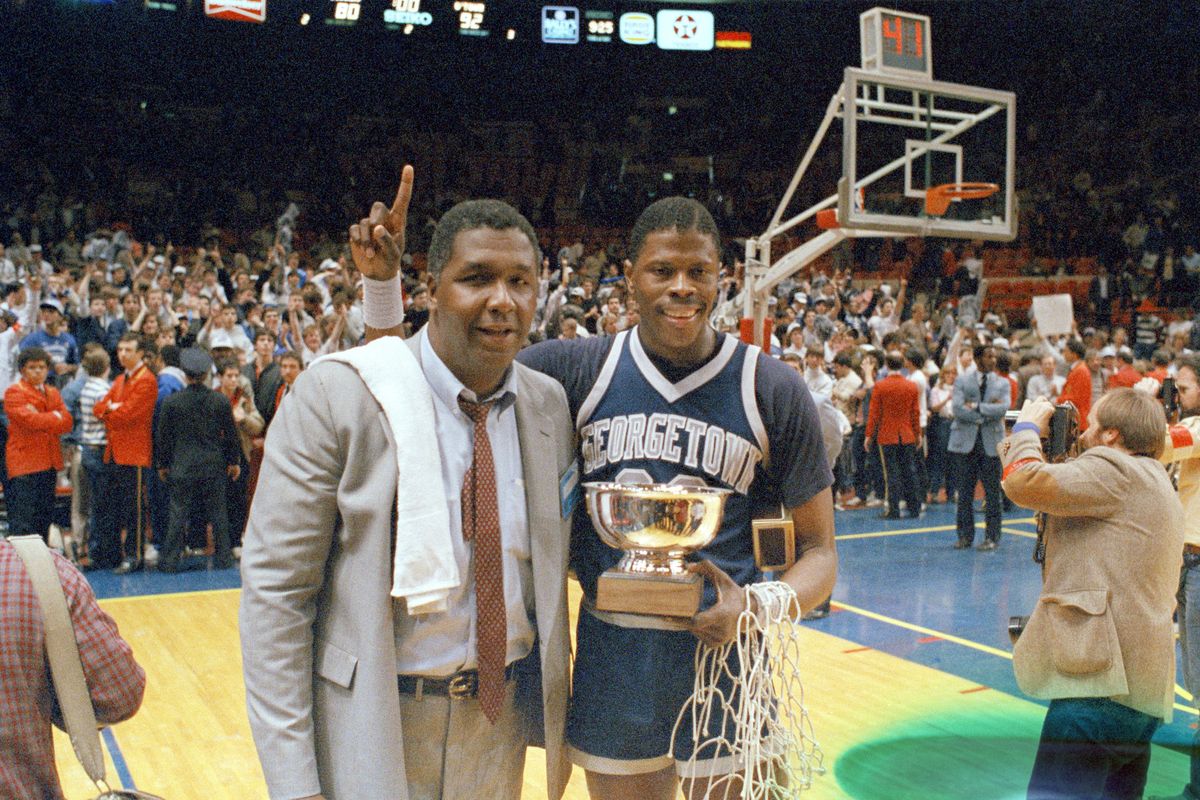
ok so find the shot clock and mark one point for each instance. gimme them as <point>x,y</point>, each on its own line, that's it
<point>896,43</point>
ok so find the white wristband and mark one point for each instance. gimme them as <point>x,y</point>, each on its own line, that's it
<point>383,302</point>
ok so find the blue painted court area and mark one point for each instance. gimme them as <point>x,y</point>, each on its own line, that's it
<point>903,589</point>
<point>199,577</point>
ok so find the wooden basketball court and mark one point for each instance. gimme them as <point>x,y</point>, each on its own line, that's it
<point>909,682</point>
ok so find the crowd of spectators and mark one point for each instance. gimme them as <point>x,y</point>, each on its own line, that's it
<point>267,311</point>
<point>221,225</point>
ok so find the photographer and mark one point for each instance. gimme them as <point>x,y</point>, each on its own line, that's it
<point>1100,644</point>
<point>1182,446</point>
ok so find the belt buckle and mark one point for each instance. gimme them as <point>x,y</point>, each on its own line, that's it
<point>463,685</point>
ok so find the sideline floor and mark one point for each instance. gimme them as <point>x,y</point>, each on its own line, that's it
<point>909,682</point>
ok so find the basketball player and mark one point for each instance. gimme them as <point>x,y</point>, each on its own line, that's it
<point>673,401</point>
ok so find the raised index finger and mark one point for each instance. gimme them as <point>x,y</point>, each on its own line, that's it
<point>399,211</point>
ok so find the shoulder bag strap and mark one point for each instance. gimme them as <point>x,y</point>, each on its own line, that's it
<point>66,669</point>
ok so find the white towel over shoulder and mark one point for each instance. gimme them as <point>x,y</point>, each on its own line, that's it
<point>424,572</point>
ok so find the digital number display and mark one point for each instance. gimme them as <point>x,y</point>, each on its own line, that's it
<point>903,42</point>
<point>344,12</point>
<point>600,26</point>
<point>471,17</point>
<point>896,42</point>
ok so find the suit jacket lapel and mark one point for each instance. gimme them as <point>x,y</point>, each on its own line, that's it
<point>540,468</point>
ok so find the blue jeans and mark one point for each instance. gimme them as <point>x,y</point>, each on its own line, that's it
<point>1189,644</point>
<point>937,462</point>
<point>103,536</point>
<point>1094,748</point>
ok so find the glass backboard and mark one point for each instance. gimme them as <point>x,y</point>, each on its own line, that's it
<point>927,157</point>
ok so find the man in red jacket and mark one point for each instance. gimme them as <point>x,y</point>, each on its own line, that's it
<point>1126,376</point>
<point>1078,388</point>
<point>127,412</point>
<point>894,425</point>
<point>36,418</point>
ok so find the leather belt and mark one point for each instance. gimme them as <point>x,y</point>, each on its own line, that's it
<point>459,686</point>
<point>1192,549</point>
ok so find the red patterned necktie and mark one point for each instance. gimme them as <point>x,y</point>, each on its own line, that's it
<point>481,524</point>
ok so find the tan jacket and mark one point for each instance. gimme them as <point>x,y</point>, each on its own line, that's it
<point>251,424</point>
<point>1114,532</point>
<point>1183,446</point>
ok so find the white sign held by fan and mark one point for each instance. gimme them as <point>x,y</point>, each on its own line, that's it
<point>1054,314</point>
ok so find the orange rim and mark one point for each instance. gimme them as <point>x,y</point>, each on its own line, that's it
<point>938,198</point>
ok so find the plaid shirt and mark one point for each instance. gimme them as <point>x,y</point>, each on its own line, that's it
<point>27,702</point>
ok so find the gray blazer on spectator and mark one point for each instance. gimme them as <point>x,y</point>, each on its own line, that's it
<point>986,419</point>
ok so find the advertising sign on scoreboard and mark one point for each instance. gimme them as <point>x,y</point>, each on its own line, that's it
<point>406,12</point>
<point>636,28</point>
<point>686,30</point>
<point>239,10</point>
<point>560,24</point>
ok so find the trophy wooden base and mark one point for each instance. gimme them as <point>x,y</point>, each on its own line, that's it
<point>660,595</point>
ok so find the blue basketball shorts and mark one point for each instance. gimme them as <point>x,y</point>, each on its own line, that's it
<point>628,687</point>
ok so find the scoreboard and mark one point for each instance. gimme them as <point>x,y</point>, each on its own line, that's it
<point>685,27</point>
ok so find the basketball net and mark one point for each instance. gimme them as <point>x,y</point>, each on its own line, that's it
<point>773,751</point>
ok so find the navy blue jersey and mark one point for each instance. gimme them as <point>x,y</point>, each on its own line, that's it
<point>741,421</point>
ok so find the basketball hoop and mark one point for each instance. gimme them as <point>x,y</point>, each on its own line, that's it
<point>937,198</point>
<point>827,219</point>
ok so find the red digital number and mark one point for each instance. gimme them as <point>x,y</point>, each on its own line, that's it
<point>894,29</point>
<point>917,38</point>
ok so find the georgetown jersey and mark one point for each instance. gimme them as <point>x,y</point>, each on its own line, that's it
<point>635,426</point>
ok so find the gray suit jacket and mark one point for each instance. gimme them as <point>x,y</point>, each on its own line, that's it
<point>316,617</point>
<point>986,419</point>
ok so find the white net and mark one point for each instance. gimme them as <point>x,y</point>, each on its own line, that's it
<point>753,735</point>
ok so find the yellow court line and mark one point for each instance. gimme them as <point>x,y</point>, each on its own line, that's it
<point>901,532</point>
<point>983,648</point>
<point>1015,532</point>
<point>195,593</point>
<point>933,529</point>
<point>949,637</point>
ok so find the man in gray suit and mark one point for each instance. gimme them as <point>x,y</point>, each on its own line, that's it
<point>356,695</point>
<point>981,398</point>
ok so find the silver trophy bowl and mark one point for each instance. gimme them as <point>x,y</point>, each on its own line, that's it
<point>655,524</point>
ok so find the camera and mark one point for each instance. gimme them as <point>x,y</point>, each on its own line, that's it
<point>1016,626</point>
<point>1064,430</point>
<point>1170,398</point>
